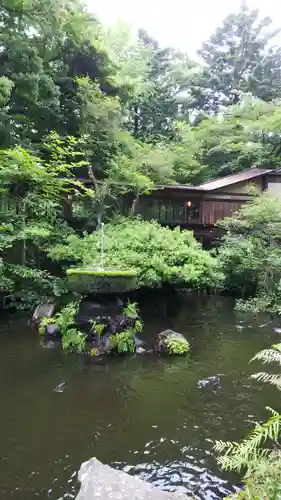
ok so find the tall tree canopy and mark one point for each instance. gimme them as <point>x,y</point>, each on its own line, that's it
<point>240,57</point>
<point>136,108</point>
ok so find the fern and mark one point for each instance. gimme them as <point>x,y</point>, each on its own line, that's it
<point>131,310</point>
<point>268,356</point>
<point>262,465</point>
<point>273,379</point>
<point>272,355</point>
<point>237,456</point>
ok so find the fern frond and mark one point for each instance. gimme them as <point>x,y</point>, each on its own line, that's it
<point>237,456</point>
<point>238,462</point>
<point>273,412</point>
<point>269,355</point>
<point>270,378</point>
<point>225,447</point>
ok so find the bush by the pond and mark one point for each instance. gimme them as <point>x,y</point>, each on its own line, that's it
<point>250,254</point>
<point>159,255</point>
<point>260,464</point>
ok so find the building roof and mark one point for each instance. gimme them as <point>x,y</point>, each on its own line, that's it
<point>228,180</point>
<point>252,173</point>
<point>275,171</point>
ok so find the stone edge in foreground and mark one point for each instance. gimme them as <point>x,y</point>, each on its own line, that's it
<point>99,481</point>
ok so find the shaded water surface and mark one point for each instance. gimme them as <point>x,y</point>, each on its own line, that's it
<point>145,415</point>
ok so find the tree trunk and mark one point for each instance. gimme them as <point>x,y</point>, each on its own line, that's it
<point>136,121</point>
<point>134,205</point>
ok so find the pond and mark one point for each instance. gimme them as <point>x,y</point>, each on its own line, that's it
<point>145,415</point>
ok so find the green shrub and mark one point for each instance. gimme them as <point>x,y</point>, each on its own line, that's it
<point>131,310</point>
<point>159,255</point>
<point>250,255</point>
<point>123,342</point>
<point>32,190</point>
<point>71,338</point>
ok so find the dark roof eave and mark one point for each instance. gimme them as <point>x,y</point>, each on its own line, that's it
<point>180,187</point>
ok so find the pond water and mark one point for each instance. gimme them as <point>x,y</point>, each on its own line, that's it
<point>145,415</point>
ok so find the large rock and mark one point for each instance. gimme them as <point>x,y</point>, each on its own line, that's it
<point>90,309</point>
<point>119,323</point>
<point>44,311</point>
<point>52,332</point>
<point>162,340</point>
<point>101,482</point>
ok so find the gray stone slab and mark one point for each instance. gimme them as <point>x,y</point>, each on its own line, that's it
<point>99,481</point>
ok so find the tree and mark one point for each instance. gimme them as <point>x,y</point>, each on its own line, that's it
<point>239,57</point>
<point>241,136</point>
<point>139,168</point>
<point>32,198</point>
<point>45,46</point>
<point>154,112</point>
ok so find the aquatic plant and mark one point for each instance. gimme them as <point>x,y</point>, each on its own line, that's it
<point>177,346</point>
<point>97,328</point>
<point>131,309</point>
<point>123,342</point>
<point>71,337</point>
<point>73,340</point>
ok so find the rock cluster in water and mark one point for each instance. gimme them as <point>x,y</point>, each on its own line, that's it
<point>109,313</point>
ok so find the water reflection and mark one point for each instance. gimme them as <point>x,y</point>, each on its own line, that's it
<point>146,415</point>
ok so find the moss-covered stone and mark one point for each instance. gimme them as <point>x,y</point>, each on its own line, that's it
<point>88,280</point>
<point>171,343</point>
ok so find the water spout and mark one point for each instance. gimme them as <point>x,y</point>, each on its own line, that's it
<point>102,247</point>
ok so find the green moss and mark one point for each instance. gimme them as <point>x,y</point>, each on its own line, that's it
<point>177,346</point>
<point>94,272</point>
<point>85,280</point>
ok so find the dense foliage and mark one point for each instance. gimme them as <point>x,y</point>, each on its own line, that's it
<point>177,346</point>
<point>32,194</point>
<point>258,455</point>
<point>72,339</point>
<point>158,255</point>
<point>146,113</point>
<point>250,254</point>
<point>125,114</point>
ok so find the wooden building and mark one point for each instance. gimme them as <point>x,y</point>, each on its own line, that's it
<point>199,208</point>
